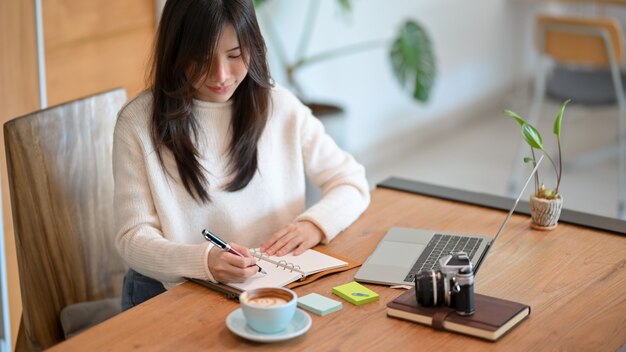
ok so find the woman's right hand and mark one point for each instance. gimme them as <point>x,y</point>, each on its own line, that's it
<point>228,267</point>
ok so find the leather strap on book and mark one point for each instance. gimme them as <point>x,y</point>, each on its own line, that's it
<point>440,316</point>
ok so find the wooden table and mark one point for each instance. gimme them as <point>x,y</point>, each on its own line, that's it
<point>574,279</point>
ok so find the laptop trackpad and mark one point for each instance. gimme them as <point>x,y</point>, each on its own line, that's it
<point>399,254</point>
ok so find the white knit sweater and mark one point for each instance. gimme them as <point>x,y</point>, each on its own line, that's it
<point>159,224</point>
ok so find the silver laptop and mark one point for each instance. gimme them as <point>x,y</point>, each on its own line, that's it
<point>404,252</point>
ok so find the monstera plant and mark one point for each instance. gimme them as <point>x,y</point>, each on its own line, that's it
<point>410,52</point>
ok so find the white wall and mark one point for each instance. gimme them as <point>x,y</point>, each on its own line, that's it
<point>475,44</point>
<point>483,48</point>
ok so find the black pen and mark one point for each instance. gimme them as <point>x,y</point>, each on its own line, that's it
<point>211,237</point>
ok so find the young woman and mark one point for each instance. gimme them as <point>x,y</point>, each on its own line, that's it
<point>213,144</point>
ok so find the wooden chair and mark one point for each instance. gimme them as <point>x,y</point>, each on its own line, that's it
<point>588,43</point>
<point>61,186</point>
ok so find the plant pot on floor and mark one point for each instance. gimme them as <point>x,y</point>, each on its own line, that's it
<point>545,213</point>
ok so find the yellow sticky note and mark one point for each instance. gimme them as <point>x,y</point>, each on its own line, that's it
<point>355,293</point>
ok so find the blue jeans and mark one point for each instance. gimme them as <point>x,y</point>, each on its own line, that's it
<point>138,289</point>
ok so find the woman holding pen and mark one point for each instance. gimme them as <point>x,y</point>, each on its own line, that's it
<point>213,144</point>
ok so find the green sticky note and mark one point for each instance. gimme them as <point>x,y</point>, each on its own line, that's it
<point>355,293</point>
<point>319,304</point>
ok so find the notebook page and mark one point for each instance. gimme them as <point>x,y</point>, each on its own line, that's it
<point>275,277</point>
<point>310,262</point>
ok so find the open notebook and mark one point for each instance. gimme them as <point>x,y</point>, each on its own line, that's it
<point>289,270</point>
<point>284,270</point>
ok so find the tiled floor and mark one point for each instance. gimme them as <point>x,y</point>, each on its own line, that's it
<point>480,156</point>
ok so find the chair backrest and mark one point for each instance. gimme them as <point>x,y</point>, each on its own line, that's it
<point>580,40</point>
<point>61,186</point>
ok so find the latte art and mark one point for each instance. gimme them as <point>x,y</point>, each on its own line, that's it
<point>266,301</point>
<point>268,309</point>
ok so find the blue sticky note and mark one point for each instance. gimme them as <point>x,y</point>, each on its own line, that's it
<point>319,304</point>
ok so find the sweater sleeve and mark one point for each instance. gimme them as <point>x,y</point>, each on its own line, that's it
<point>139,239</point>
<point>344,188</point>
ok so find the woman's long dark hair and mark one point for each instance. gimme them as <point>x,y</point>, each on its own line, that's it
<point>187,37</point>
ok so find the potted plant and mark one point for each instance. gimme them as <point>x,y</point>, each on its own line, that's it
<point>545,203</point>
<point>411,55</point>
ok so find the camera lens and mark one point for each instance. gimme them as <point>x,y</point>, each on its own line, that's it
<point>429,288</point>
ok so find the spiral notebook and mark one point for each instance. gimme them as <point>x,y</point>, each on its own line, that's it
<point>288,270</point>
<point>284,270</point>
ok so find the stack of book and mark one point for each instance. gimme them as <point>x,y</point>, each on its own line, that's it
<point>492,319</point>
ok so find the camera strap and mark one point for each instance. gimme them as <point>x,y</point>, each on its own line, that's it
<point>440,316</point>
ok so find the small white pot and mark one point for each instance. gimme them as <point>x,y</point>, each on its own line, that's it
<point>545,213</point>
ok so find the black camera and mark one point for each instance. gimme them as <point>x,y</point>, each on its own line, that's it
<point>453,285</point>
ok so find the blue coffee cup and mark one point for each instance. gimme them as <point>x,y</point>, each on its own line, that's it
<point>268,310</point>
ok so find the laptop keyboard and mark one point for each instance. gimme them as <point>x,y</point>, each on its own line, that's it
<point>439,246</point>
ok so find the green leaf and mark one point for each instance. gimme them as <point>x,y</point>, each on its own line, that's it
<point>559,117</point>
<point>258,3</point>
<point>528,160</point>
<point>515,116</point>
<point>532,136</point>
<point>344,4</point>
<point>413,60</point>
<point>529,132</point>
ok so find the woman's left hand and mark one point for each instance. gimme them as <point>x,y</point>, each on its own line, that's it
<point>296,237</point>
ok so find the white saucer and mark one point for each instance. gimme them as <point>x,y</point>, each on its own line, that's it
<point>236,323</point>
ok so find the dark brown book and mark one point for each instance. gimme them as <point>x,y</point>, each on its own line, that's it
<point>492,319</point>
